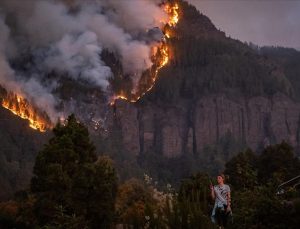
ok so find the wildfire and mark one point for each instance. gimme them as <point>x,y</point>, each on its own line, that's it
<point>164,56</point>
<point>172,10</point>
<point>161,59</point>
<point>22,108</point>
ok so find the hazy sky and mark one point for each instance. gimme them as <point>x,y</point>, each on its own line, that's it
<point>263,22</point>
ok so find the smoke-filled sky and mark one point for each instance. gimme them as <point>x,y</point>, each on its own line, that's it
<point>263,22</point>
<point>68,36</point>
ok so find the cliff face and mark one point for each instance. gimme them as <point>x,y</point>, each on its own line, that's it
<point>183,128</point>
<point>212,86</point>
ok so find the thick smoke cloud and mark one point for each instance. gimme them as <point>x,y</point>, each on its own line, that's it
<point>68,37</point>
<point>26,88</point>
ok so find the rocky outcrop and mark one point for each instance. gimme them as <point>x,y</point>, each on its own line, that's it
<point>183,128</point>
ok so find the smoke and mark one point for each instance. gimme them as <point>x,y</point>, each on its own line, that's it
<point>136,15</point>
<point>67,37</point>
<point>8,77</point>
<point>79,56</point>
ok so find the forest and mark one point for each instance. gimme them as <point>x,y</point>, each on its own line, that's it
<point>74,187</point>
<point>85,180</point>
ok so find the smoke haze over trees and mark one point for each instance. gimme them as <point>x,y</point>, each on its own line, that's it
<point>214,98</point>
<point>52,36</point>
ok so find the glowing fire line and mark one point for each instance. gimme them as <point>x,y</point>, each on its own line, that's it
<point>172,11</point>
<point>20,107</point>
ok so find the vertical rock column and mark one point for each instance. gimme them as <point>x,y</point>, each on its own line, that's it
<point>127,116</point>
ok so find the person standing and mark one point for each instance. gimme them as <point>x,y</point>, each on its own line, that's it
<point>222,207</point>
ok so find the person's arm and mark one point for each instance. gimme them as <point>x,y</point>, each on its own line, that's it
<point>228,201</point>
<point>212,192</point>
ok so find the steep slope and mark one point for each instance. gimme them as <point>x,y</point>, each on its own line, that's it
<point>212,87</point>
<point>213,91</point>
<point>19,146</point>
<point>188,128</point>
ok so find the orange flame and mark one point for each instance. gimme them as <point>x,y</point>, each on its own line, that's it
<point>163,57</point>
<point>172,10</point>
<point>22,108</point>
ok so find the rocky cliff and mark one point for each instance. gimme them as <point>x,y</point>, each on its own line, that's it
<point>211,87</point>
<point>184,128</point>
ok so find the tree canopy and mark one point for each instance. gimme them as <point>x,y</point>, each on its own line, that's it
<point>71,186</point>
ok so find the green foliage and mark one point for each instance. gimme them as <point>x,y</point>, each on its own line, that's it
<point>203,66</point>
<point>288,60</point>
<point>278,163</point>
<point>70,185</point>
<point>242,170</point>
<point>196,189</point>
<point>190,209</point>
<point>166,170</point>
<point>262,208</point>
<point>273,166</point>
<point>211,159</point>
<point>134,203</point>
<point>255,179</point>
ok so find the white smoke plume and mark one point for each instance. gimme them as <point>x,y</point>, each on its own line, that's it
<point>68,36</point>
<point>26,88</point>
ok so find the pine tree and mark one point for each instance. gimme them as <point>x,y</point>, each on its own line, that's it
<point>72,188</point>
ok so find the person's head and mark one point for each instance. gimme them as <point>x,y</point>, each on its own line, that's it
<point>221,178</point>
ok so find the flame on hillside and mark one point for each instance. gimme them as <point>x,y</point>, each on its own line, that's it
<point>22,108</point>
<point>161,56</point>
<point>172,10</point>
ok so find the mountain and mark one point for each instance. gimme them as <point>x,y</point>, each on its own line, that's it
<point>215,97</point>
<point>213,86</point>
<point>19,146</point>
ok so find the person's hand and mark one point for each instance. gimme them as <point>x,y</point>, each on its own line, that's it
<point>228,209</point>
<point>211,187</point>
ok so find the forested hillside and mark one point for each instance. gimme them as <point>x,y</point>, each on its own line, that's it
<point>215,97</point>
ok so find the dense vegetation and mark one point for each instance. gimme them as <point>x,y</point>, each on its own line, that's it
<point>204,61</point>
<point>287,60</point>
<point>72,188</point>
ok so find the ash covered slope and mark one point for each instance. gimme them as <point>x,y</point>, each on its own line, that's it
<point>212,88</point>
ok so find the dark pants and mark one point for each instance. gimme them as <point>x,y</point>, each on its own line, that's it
<point>222,216</point>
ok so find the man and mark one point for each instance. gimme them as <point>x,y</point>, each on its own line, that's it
<point>222,208</point>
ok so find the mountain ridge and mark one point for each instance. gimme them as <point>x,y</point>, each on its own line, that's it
<point>213,88</point>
